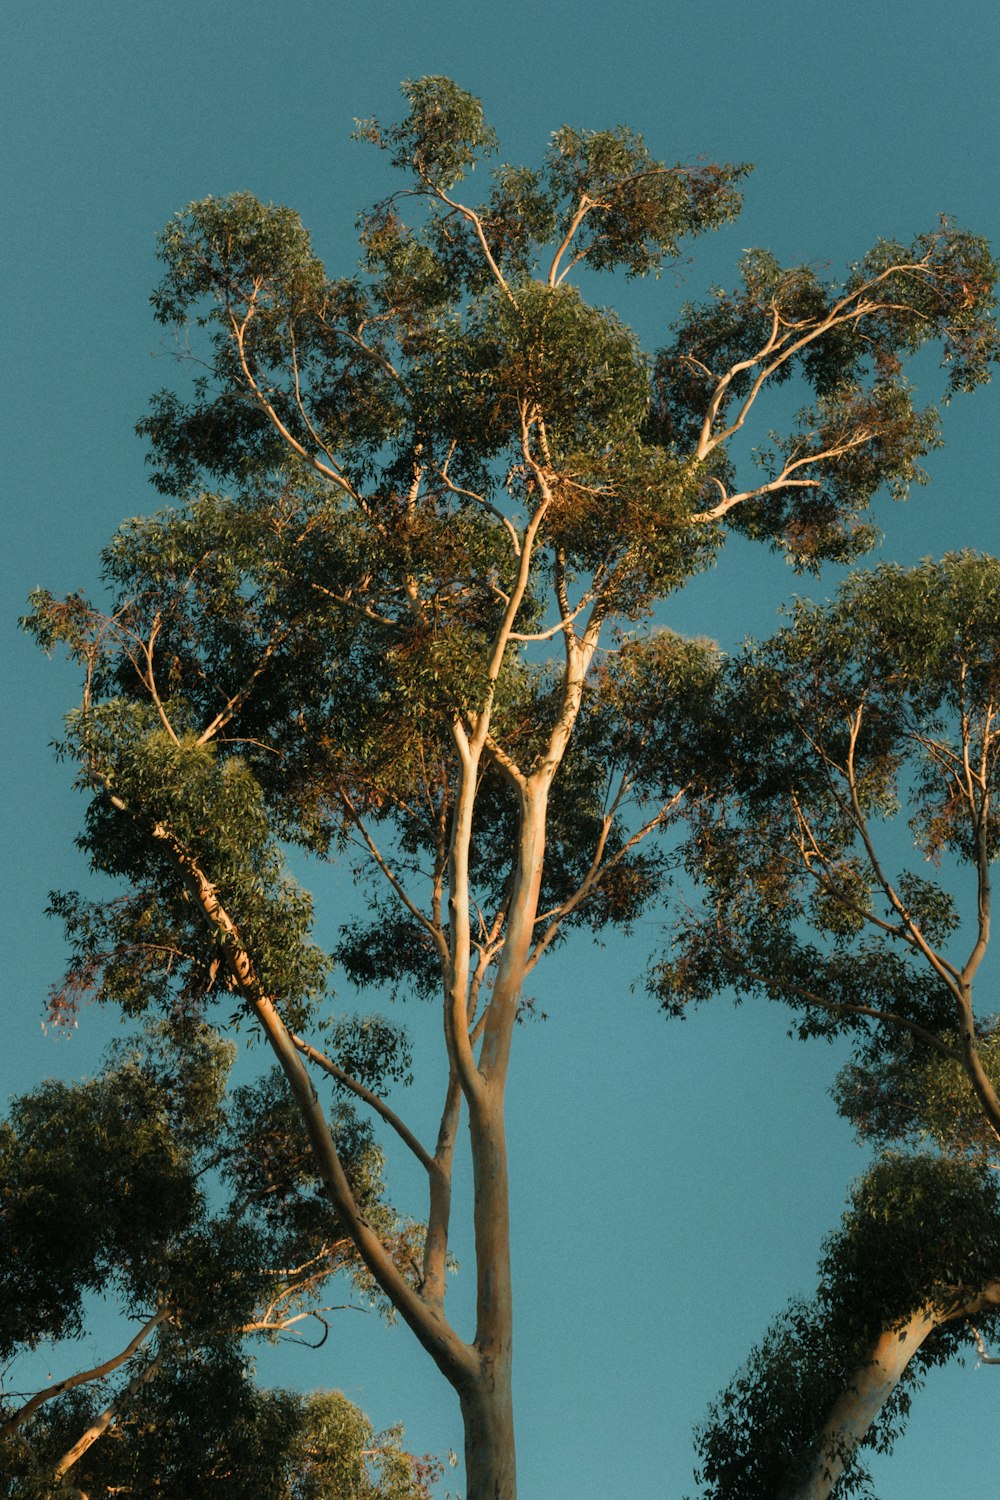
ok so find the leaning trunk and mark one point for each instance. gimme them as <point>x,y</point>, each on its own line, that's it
<point>856,1409</point>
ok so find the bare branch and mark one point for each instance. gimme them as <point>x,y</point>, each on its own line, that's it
<point>435,932</point>
<point>84,1377</point>
<point>597,871</point>
<point>378,1105</point>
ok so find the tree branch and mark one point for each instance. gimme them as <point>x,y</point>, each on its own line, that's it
<point>84,1377</point>
<point>378,1105</point>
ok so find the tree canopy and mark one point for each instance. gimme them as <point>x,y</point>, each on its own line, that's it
<point>845,848</point>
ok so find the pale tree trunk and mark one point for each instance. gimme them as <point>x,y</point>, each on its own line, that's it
<point>487,1403</point>
<point>488,1416</point>
<point>853,1413</point>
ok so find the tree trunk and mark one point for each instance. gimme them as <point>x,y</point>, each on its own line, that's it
<point>487,1405</point>
<point>488,1415</point>
<point>856,1409</point>
<point>854,1412</point>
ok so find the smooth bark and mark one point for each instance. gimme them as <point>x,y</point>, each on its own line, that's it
<point>84,1377</point>
<point>858,1406</point>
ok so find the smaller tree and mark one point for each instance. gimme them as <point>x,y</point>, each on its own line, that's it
<point>914,1264</point>
<point>882,706</point>
<point>200,1217</point>
<point>204,1426</point>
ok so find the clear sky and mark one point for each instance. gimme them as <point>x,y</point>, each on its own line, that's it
<point>672,1182</point>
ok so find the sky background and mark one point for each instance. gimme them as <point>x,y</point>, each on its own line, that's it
<point>672,1182</point>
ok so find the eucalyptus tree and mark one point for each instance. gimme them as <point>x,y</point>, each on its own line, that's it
<point>909,1281</point>
<point>198,1218</point>
<point>846,851</point>
<point>417,621</point>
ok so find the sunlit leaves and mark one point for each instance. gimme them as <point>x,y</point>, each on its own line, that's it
<point>636,209</point>
<point>443,135</point>
<point>883,703</point>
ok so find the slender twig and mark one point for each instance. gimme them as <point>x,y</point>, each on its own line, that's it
<point>378,1105</point>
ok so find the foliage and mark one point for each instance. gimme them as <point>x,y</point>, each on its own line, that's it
<point>879,707</point>
<point>154,1187</point>
<point>203,1427</point>
<point>871,715</point>
<point>917,1230</point>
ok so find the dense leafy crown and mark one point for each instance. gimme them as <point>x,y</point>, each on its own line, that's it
<point>437,465</point>
<point>196,1212</point>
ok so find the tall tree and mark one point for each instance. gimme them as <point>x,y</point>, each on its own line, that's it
<point>846,849</point>
<point>451,478</point>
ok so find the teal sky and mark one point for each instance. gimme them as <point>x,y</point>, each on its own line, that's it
<point>672,1182</point>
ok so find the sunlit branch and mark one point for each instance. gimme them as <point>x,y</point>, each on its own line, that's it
<point>378,1105</point>
<point>101,1424</point>
<point>506,762</point>
<point>584,207</point>
<point>783,482</point>
<point>851,308</point>
<point>984,1358</point>
<point>941,966</point>
<point>238,699</point>
<point>477,499</point>
<point>147,651</point>
<point>84,1377</point>
<point>471,217</point>
<point>327,471</point>
<point>812,855</point>
<point>346,602</point>
<point>307,421</point>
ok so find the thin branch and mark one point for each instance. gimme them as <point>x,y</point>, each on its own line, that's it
<point>325,470</point>
<point>471,217</point>
<point>984,1358</point>
<point>435,933</point>
<point>810,997</point>
<point>478,499</point>
<point>783,482</point>
<point>347,602</point>
<point>456,1359</point>
<point>506,762</point>
<point>84,1377</point>
<point>850,308</point>
<point>584,207</point>
<point>236,702</point>
<point>595,874</point>
<point>941,966</point>
<point>378,1105</point>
